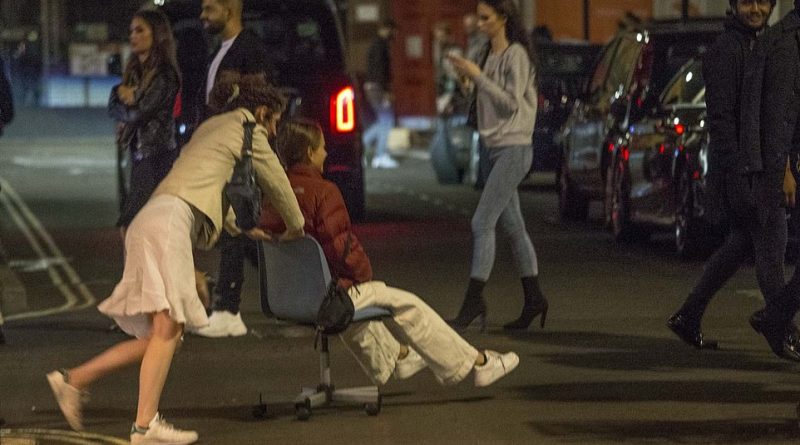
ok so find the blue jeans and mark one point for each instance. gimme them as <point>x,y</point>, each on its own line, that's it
<point>377,134</point>
<point>499,203</point>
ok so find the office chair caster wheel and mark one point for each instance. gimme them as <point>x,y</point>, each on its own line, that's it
<point>260,410</point>
<point>373,409</point>
<point>303,410</point>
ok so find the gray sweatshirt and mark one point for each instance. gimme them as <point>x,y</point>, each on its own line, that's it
<point>507,98</point>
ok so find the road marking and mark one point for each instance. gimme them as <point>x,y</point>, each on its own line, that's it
<point>50,254</point>
<point>33,436</point>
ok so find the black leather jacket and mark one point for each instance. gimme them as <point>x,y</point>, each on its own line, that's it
<point>149,126</point>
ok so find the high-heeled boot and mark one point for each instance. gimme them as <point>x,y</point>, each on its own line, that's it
<point>535,304</point>
<point>473,307</point>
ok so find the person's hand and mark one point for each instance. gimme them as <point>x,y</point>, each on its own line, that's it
<point>257,234</point>
<point>464,66</point>
<point>289,235</point>
<point>789,189</point>
<point>126,94</point>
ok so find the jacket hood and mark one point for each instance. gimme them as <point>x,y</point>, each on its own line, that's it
<point>734,24</point>
<point>791,22</point>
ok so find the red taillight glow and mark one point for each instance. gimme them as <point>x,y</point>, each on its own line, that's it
<point>343,115</point>
<point>680,129</point>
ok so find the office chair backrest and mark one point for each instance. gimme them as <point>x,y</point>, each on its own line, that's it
<point>297,278</point>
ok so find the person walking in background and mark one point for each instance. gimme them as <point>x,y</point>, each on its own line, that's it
<point>241,51</point>
<point>422,338</point>
<point>6,115</point>
<point>27,69</point>
<point>780,133</point>
<point>156,297</point>
<point>6,99</point>
<point>731,71</point>
<point>476,40</point>
<point>506,112</point>
<point>448,94</point>
<point>377,90</point>
<point>142,105</point>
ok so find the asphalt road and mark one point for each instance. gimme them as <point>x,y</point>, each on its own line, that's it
<point>604,370</point>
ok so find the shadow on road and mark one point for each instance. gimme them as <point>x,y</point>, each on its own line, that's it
<point>617,352</point>
<point>754,430</point>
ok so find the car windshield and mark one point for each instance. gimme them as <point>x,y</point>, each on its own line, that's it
<point>300,40</point>
<point>672,51</point>
<point>687,88</point>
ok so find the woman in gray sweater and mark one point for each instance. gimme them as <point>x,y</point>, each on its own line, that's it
<point>506,113</point>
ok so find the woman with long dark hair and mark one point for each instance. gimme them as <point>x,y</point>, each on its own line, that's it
<point>142,105</point>
<point>506,101</point>
<point>156,297</point>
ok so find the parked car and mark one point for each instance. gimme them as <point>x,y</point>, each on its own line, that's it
<point>562,72</point>
<point>306,46</point>
<point>658,172</point>
<point>629,77</point>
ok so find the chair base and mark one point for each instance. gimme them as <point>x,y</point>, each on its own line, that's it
<point>325,395</point>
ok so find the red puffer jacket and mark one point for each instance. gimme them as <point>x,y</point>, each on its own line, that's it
<point>327,221</point>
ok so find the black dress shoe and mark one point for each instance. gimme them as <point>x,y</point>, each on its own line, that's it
<point>782,340</point>
<point>689,331</point>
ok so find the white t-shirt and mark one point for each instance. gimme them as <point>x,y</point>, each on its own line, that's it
<point>212,70</point>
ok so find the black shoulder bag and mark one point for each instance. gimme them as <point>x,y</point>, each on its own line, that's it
<point>336,311</point>
<point>242,190</point>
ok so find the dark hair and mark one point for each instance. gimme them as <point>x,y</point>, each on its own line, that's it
<point>233,90</point>
<point>162,53</point>
<point>515,32</point>
<point>773,2</point>
<point>294,139</point>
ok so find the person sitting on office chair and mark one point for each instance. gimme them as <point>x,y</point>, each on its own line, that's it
<point>415,336</point>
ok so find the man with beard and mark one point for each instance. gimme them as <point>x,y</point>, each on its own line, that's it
<point>240,50</point>
<point>737,177</point>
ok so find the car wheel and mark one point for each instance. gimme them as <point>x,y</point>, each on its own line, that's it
<point>690,233</point>
<point>572,206</point>
<point>620,207</point>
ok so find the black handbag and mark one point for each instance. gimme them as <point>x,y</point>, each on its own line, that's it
<point>336,311</point>
<point>242,190</point>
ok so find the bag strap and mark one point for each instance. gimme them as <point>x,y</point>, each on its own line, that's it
<point>247,141</point>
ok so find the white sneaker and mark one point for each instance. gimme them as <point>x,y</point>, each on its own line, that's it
<point>70,399</point>
<point>497,366</point>
<point>223,324</point>
<point>160,432</point>
<point>384,161</point>
<point>408,366</point>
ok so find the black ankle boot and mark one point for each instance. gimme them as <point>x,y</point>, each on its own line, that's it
<point>473,307</point>
<point>535,304</point>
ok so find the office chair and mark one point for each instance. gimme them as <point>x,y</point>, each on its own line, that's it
<point>294,280</point>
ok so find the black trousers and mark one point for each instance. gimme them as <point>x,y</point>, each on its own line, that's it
<point>233,251</point>
<point>766,241</point>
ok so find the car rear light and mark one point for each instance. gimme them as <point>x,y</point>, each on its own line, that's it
<point>679,129</point>
<point>343,115</point>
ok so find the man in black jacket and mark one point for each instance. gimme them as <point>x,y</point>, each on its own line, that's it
<point>6,101</point>
<point>780,138</point>
<point>377,90</point>
<point>738,175</point>
<point>242,51</point>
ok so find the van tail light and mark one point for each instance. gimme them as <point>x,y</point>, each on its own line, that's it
<point>343,111</point>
